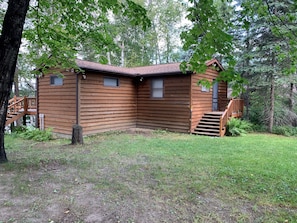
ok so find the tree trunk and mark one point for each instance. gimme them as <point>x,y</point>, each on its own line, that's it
<point>122,54</point>
<point>10,41</point>
<point>271,107</point>
<point>16,82</point>
<point>3,112</point>
<point>77,135</point>
<point>246,74</point>
<point>291,99</point>
<point>18,122</point>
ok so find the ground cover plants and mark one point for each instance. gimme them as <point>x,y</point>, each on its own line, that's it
<point>30,132</point>
<point>150,177</point>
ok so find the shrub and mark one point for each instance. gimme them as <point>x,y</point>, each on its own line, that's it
<point>37,134</point>
<point>238,127</point>
<point>19,129</point>
<point>259,128</point>
<point>285,130</point>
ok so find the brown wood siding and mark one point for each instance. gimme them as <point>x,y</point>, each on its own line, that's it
<point>57,103</point>
<point>172,112</point>
<point>201,102</point>
<point>105,108</point>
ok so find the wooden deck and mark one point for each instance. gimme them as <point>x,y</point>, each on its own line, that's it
<point>18,107</point>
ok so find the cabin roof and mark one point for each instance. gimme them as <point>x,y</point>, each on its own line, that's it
<point>152,70</point>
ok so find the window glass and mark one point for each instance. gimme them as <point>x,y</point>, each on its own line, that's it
<point>157,88</point>
<point>204,88</point>
<point>56,81</point>
<point>111,82</point>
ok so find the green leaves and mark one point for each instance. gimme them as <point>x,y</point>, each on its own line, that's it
<point>238,127</point>
<point>136,14</point>
<point>208,37</point>
<point>57,30</point>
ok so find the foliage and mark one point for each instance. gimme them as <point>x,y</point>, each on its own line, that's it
<point>208,37</point>
<point>35,134</point>
<point>58,32</point>
<point>266,57</point>
<point>260,128</point>
<point>253,35</point>
<point>285,130</point>
<point>238,127</point>
<point>133,46</point>
<point>19,129</point>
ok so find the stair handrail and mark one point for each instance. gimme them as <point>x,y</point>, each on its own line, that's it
<point>234,108</point>
<point>16,104</point>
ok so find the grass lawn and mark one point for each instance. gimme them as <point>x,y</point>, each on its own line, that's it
<point>150,177</point>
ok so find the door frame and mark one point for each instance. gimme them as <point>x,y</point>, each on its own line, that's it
<point>215,96</point>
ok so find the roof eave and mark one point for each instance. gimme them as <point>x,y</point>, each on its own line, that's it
<point>214,61</point>
<point>108,72</point>
<point>165,74</point>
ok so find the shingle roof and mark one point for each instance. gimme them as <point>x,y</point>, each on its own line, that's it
<point>170,68</point>
<point>153,70</point>
<point>93,66</point>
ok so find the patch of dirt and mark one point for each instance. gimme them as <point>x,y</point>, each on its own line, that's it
<point>141,131</point>
<point>58,198</point>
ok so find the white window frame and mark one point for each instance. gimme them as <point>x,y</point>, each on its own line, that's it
<point>157,88</point>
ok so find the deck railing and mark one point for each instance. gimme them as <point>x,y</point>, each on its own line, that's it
<point>15,104</point>
<point>21,104</point>
<point>233,109</point>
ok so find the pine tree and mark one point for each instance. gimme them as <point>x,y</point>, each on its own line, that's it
<point>266,57</point>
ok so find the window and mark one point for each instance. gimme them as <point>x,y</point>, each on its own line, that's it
<point>157,88</point>
<point>56,80</point>
<point>204,88</point>
<point>111,82</point>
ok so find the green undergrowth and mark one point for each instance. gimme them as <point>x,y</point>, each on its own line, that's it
<point>256,172</point>
<point>238,127</point>
<point>30,132</point>
<point>285,130</point>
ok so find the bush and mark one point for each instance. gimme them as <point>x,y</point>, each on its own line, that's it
<point>238,127</point>
<point>285,130</point>
<point>36,134</point>
<point>259,128</point>
<point>19,129</point>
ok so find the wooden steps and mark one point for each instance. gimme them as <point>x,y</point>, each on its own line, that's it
<point>209,124</point>
<point>11,117</point>
<point>215,123</point>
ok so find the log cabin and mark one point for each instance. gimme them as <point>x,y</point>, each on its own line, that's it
<point>107,98</point>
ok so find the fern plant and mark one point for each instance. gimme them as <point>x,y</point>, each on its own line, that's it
<point>238,127</point>
<point>37,134</point>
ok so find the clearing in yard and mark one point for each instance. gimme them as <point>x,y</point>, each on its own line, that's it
<point>150,177</point>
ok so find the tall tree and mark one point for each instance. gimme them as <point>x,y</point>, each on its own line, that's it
<point>157,44</point>
<point>10,41</point>
<point>55,28</point>
<point>267,58</point>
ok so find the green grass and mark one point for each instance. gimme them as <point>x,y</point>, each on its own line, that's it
<point>176,177</point>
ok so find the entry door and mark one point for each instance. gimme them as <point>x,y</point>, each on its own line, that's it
<point>215,96</point>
